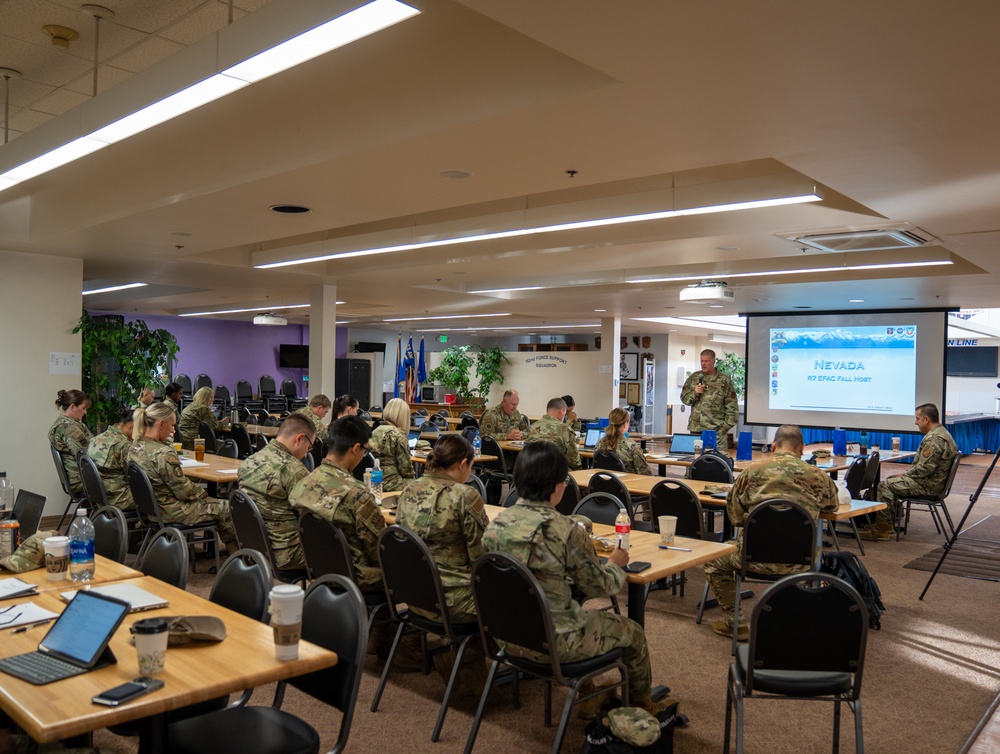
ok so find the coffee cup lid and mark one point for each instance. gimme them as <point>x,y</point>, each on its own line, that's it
<point>150,626</point>
<point>286,592</point>
<point>56,541</point>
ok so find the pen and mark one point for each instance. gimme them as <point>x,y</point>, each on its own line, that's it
<point>22,629</point>
<point>679,549</point>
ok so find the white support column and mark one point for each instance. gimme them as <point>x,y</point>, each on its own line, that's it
<point>322,339</point>
<point>611,335</point>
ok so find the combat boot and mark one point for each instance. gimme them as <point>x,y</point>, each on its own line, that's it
<point>724,627</point>
<point>591,708</point>
<point>654,708</point>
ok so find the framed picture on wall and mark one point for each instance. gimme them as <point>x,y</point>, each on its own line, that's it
<point>649,382</point>
<point>629,368</point>
<point>632,394</point>
<point>621,391</point>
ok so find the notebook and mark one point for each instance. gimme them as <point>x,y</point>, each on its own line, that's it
<point>76,643</point>
<point>593,435</point>
<point>683,445</point>
<point>137,598</point>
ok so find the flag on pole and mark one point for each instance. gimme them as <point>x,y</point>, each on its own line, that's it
<point>400,375</point>
<point>421,369</point>
<point>410,365</point>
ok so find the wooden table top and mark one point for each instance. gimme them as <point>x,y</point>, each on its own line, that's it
<point>421,457</point>
<point>105,571</point>
<point>218,468</point>
<point>245,659</point>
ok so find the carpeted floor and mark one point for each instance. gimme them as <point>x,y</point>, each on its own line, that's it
<point>931,672</point>
<point>975,554</point>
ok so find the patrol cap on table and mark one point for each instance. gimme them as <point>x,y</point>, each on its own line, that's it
<point>634,726</point>
<point>30,555</point>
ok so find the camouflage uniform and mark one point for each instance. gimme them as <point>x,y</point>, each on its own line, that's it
<point>267,477</point>
<point>390,445</point>
<point>629,452</point>
<point>551,429</point>
<point>69,437</point>
<point>925,477</point>
<point>332,493</point>
<point>716,408</point>
<point>497,424</point>
<point>181,501</point>
<point>109,452</point>
<point>786,476</point>
<point>576,425</point>
<point>322,432</point>
<point>174,406</point>
<point>450,518</point>
<point>30,555</point>
<point>191,418</point>
<point>561,556</point>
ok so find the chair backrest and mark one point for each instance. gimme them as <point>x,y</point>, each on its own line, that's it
<point>166,557</point>
<point>872,468</point>
<point>600,507</point>
<point>28,509</point>
<point>185,382</point>
<point>672,498</point>
<point>227,448</point>
<point>243,584</point>
<point>477,484</point>
<point>511,498</point>
<point>950,479</point>
<point>778,531</point>
<point>429,431</point>
<point>325,547</point>
<point>440,422</point>
<point>855,476</point>
<point>110,533</point>
<point>251,533</point>
<point>375,409</point>
<point>804,624</point>
<point>492,448</point>
<point>423,412</point>
<point>93,485</point>
<point>61,470</point>
<point>512,608</point>
<point>241,437</point>
<point>309,462</point>
<point>244,392</point>
<point>208,433</point>
<point>411,576</point>
<point>469,433</point>
<point>602,481</point>
<point>144,497</point>
<point>334,616</point>
<point>710,467</point>
<point>570,498</point>
<point>467,422</point>
<point>604,459</point>
<point>265,385</point>
<point>202,380</point>
<point>289,389</point>
<point>222,394</point>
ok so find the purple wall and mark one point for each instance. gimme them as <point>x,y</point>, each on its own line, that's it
<point>231,351</point>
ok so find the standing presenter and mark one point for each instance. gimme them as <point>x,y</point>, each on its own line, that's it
<point>712,399</point>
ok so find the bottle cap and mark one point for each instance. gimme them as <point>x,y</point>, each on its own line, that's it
<point>81,511</point>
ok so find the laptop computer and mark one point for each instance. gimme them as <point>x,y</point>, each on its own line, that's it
<point>682,446</point>
<point>76,643</point>
<point>591,438</point>
<point>138,598</point>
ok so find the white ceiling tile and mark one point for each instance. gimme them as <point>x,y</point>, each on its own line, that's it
<point>149,52</point>
<point>60,101</point>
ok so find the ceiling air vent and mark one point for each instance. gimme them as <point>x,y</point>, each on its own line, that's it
<point>871,239</point>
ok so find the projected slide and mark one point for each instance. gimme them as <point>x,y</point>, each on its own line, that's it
<point>855,369</point>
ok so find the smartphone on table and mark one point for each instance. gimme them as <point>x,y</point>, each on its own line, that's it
<point>127,691</point>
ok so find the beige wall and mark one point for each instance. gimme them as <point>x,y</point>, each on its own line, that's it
<point>40,303</point>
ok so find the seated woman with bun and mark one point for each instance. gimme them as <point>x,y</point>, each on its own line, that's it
<point>69,435</point>
<point>616,441</point>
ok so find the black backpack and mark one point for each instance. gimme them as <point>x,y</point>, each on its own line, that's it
<point>847,566</point>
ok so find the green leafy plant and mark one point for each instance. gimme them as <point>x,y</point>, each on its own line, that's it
<point>118,359</point>
<point>736,367</point>
<point>456,369</point>
<point>489,362</point>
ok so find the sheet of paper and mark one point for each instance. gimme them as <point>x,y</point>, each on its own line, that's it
<point>24,614</point>
<point>14,587</point>
<point>190,463</point>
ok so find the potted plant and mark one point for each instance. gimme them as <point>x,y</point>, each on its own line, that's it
<point>118,359</point>
<point>454,371</point>
<point>489,362</point>
<point>736,368</point>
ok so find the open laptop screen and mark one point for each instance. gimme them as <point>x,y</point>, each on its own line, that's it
<point>683,443</point>
<point>84,628</point>
<point>593,435</point>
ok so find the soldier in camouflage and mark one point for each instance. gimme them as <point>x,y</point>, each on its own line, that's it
<point>615,441</point>
<point>197,411</point>
<point>450,517</point>
<point>551,427</point>
<point>269,475</point>
<point>109,452</point>
<point>712,399</point>
<point>784,475</point>
<point>146,397</point>
<point>316,411</point>
<point>181,501</point>
<point>560,554</point>
<point>173,392</point>
<point>390,446</point>
<point>332,493</point>
<point>69,435</point>
<point>925,477</point>
<point>572,420</point>
<point>504,422</point>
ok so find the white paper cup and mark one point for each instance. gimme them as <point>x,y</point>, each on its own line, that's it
<point>895,444</point>
<point>698,445</point>
<point>150,644</point>
<point>286,620</point>
<point>668,529</point>
<point>57,557</point>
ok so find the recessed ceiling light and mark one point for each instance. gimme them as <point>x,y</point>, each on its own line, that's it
<point>109,289</point>
<point>856,301</point>
<point>600,310</point>
<point>508,290</point>
<point>456,174</point>
<point>290,209</point>
<point>715,306</point>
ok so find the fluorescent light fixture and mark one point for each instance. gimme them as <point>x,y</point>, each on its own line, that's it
<point>318,40</point>
<point>510,290</point>
<point>446,316</point>
<point>271,308</point>
<point>804,271</point>
<point>111,288</point>
<point>514,232</point>
<point>709,325</point>
<point>543,328</point>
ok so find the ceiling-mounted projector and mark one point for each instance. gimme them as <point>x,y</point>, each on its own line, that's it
<point>269,319</point>
<point>707,292</point>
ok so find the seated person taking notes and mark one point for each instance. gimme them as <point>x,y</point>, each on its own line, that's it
<point>109,452</point>
<point>551,427</point>
<point>390,444</point>
<point>616,441</point>
<point>197,411</point>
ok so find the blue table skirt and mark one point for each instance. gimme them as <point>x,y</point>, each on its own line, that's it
<point>978,434</point>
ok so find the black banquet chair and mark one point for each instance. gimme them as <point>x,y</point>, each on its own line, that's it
<point>289,389</point>
<point>513,610</point>
<point>110,533</point>
<point>711,467</point>
<point>608,461</point>
<point>185,382</point>
<point>202,380</point>
<point>251,533</point>
<point>807,642</point>
<point>208,434</point>
<point>166,557</point>
<point>333,617</point>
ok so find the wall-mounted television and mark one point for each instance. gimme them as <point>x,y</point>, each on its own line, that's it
<point>293,357</point>
<point>971,361</point>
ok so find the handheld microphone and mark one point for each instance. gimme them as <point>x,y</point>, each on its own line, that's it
<point>701,379</point>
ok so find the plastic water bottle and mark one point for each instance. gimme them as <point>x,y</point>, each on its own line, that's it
<point>623,528</point>
<point>477,444</point>
<point>6,493</point>
<point>864,443</point>
<point>377,483</point>
<point>81,547</point>
<point>368,479</point>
